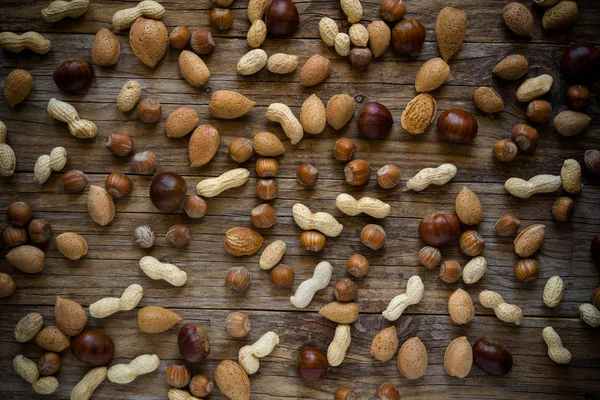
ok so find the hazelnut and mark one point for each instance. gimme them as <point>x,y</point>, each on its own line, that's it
<point>266,189</point>
<point>429,257</point>
<point>562,209</point>
<point>240,150</point>
<point>74,181</point>
<point>388,176</point>
<point>387,391</point>
<point>357,266</point>
<point>201,386</point>
<point>307,175</point>
<point>505,150</point>
<point>18,213</point>
<point>263,216</point>
<point>312,241</point>
<point>220,19</point>
<point>282,277</point>
<point>344,393</point>
<point>178,235</point>
<point>539,111</point>
<point>144,236</point>
<point>471,243</point>
<point>118,185</point>
<point>144,163</point>
<point>178,376</point>
<point>120,144</point>
<point>238,279</point>
<point>357,172</point>
<point>507,225</point>
<point>360,58</point>
<point>40,231</point>
<point>526,270</point>
<point>373,236</point>
<point>526,137</point>
<point>343,149</point>
<point>195,206</point>
<point>49,364</point>
<point>596,298</point>
<point>578,96</point>
<point>238,324</point>
<point>14,236</point>
<point>450,271</point>
<point>392,10</point>
<point>202,42</point>
<point>180,37</point>
<point>592,161</point>
<point>267,167</point>
<point>345,290</point>
<point>149,110</point>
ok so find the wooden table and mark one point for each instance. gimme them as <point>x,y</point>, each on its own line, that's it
<point>112,261</point>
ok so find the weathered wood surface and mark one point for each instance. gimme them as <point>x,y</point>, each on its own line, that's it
<point>111,263</point>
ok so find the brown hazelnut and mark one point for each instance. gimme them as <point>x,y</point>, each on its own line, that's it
<point>344,393</point>
<point>120,144</point>
<point>266,189</point>
<point>238,324</point>
<point>307,175</point>
<point>526,270</point>
<point>526,137</point>
<point>408,37</point>
<point>357,172</point>
<point>263,216</point>
<point>388,176</point>
<point>118,185</point>
<point>178,376</point>
<point>238,279</point>
<point>282,277</point>
<point>505,150</point>
<point>313,241</point>
<point>49,364</point>
<point>357,266</point>
<point>267,167</point>
<point>345,290</point>
<point>507,225</point>
<point>14,236</point>
<point>387,391</point>
<point>562,209</point>
<point>240,150</point>
<point>74,181</point>
<point>220,19</point>
<point>539,111</point>
<point>596,298</point>
<point>18,213</point>
<point>202,42</point>
<point>178,235</point>
<point>392,10</point>
<point>144,236</point>
<point>201,386</point>
<point>149,110</point>
<point>144,163</point>
<point>360,57</point>
<point>343,149</point>
<point>40,231</point>
<point>471,243</point>
<point>7,285</point>
<point>450,271</point>
<point>195,206</point>
<point>373,236</point>
<point>578,96</point>
<point>592,161</point>
<point>180,37</point>
<point>429,257</point>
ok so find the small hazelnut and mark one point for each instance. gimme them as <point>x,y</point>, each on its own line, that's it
<point>202,42</point>
<point>238,324</point>
<point>596,298</point>
<point>263,216</point>
<point>201,386</point>
<point>507,225</point>
<point>49,364</point>
<point>178,376</point>
<point>360,58</point>
<point>429,257</point>
<point>344,393</point>
<point>238,279</point>
<point>18,213</point>
<point>562,209</point>
<point>450,271</point>
<point>267,167</point>
<point>526,137</point>
<point>40,231</point>
<point>357,266</point>
<point>144,236</point>
<point>345,290</point>
<point>220,19</point>
<point>357,172</point>
<point>195,206</point>
<point>240,150</point>
<point>392,10</point>
<point>120,144</point>
<point>388,176</point>
<point>178,235</point>
<point>505,150</point>
<point>307,175</point>
<point>343,149</point>
<point>526,270</point>
<point>144,163</point>
<point>14,236</point>
<point>180,37</point>
<point>387,391</point>
<point>471,243</point>
<point>118,185</point>
<point>313,241</point>
<point>74,181</point>
<point>282,277</point>
<point>539,111</point>
<point>578,96</point>
<point>149,110</point>
<point>266,189</point>
<point>592,161</point>
<point>373,236</point>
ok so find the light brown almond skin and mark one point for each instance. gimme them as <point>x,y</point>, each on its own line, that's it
<point>450,31</point>
<point>460,307</point>
<point>458,357</point>
<point>488,100</point>
<point>379,37</point>
<point>571,123</point>
<point>419,114</point>
<point>193,69</point>
<point>105,48</point>
<point>154,319</point>
<point>561,15</point>
<point>267,144</point>
<point>100,205</point>
<point>511,67</point>
<point>227,104</point>
<point>232,380</point>
<point>315,70</point>
<point>242,241</point>
<point>412,359</point>
<point>432,75</point>
<point>28,259</point>
<point>181,121</point>
<point>529,240</point>
<point>313,115</point>
<point>17,86</point>
<point>518,18</point>
<point>70,317</point>
<point>204,144</point>
<point>52,339</point>
<point>468,207</point>
<point>340,110</point>
<point>385,344</point>
<point>71,245</point>
<point>342,313</point>
<point>148,39</point>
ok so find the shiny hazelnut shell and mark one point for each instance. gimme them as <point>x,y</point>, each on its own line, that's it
<point>14,236</point>
<point>388,176</point>
<point>562,209</point>
<point>118,184</point>
<point>281,18</point>
<point>343,149</point>
<point>595,300</point>
<point>357,172</point>
<point>74,181</point>
<point>313,241</point>
<point>263,216</point>
<point>120,144</point>
<point>507,225</point>
<point>238,324</point>
<point>373,236</point>
<point>180,37</point>
<point>238,279</point>
<point>491,357</point>
<point>40,231</point>
<point>526,270</point>
<point>18,213</point>
<point>387,391</point>
<point>578,96</point>
<point>311,364</point>
<point>592,161</point>
<point>149,110</point>
<point>539,111</point>
<point>282,276</point>
<point>408,37</point>
<point>201,386</point>
<point>74,76</point>
<point>195,206</point>
<point>167,191</point>
<point>344,393</point>
<point>266,189</point>
<point>178,376</point>
<point>375,121</point>
<point>440,229</point>
<point>450,271</point>
<point>526,137</point>
<point>392,10</point>
<point>307,175</point>
<point>240,150</point>
<point>345,290</point>
<point>360,57</point>
<point>220,19</point>
<point>457,126</point>
<point>49,364</point>
<point>267,167</point>
<point>202,42</point>
<point>471,243</point>
<point>505,150</point>
<point>178,235</point>
<point>93,347</point>
<point>357,266</point>
<point>429,257</point>
<point>144,163</point>
<point>193,343</point>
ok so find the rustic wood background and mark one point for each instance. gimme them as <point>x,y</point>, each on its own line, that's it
<point>112,261</point>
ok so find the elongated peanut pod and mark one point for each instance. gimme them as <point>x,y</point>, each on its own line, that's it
<point>248,356</point>
<point>129,300</point>
<point>556,351</point>
<point>336,352</point>
<point>154,269</point>
<point>307,289</point>
<point>126,373</point>
<point>320,221</point>
<point>413,295</point>
<point>281,113</point>
<point>86,386</point>
<point>60,9</point>
<point>538,184</point>
<point>125,18</point>
<point>214,186</point>
<point>504,311</point>
<point>429,176</point>
<point>368,205</point>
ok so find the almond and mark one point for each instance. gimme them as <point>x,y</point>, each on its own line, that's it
<point>342,313</point>
<point>458,357</point>
<point>17,86</point>
<point>69,316</point>
<point>154,319</point>
<point>148,39</point>
<point>232,380</point>
<point>379,37</point>
<point>518,18</point>
<point>419,114</point>
<point>385,344</point>
<point>534,87</point>
<point>511,67</point>
<point>561,15</point>
<point>28,259</point>
<point>571,123</point>
<point>450,31</point>
<point>315,70</point>
<point>105,48</point>
<point>242,241</point>
<point>193,69</point>
<point>181,121</point>
<point>412,359</point>
<point>100,205</point>
<point>340,110</point>
<point>468,207</point>
<point>72,246</point>
<point>227,104</point>
<point>432,75</point>
<point>460,307</point>
<point>488,100</point>
<point>267,144</point>
<point>52,339</point>
<point>529,240</point>
<point>204,144</point>
<point>312,115</point>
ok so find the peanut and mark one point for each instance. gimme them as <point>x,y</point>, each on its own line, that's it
<point>28,370</point>
<point>126,373</point>
<point>248,356</point>
<point>320,221</point>
<point>474,270</point>
<point>353,10</point>
<point>8,160</point>
<point>129,300</point>
<point>256,9</point>
<point>359,36</point>
<point>281,63</point>
<point>28,327</point>
<point>538,184</point>
<point>278,112</point>
<point>178,394</point>
<point>368,205</point>
<point>328,30</point>
<point>86,386</point>
<point>307,289</point>
<point>129,96</point>
<point>428,176</point>
<point>504,311</point>
<point>29,40</point>
<point>45,164</point>
<point>336,352</point>
<point>556,351</point>
<point>570,176</point>
<point>125,18</point>
<point>272,254</point>
<point>60,9</point>
<point>80,128</point>
<point>342,44</point>
<point>413,295</point>
<point>252,62</point>
<point>534,87</point>
<point>553,291</point>
<point>589,314</point>
<point>154,269</point>
<point>214,186</point>
<point>257,33</point>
